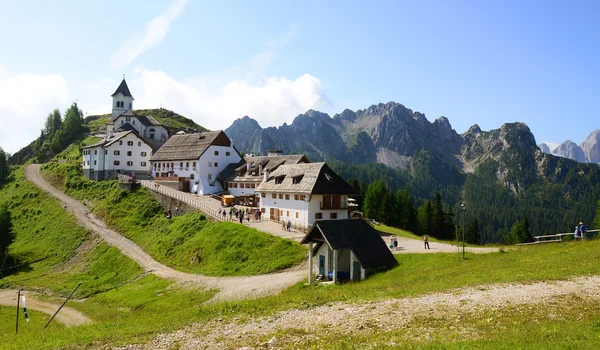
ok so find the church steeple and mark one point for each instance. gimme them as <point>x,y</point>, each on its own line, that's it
<point>122,100</point>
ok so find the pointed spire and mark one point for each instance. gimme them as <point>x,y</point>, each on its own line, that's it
<point>123,88</point>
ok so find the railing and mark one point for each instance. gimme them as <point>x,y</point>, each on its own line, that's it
<point>184,198</point>
<point>341,205</point>
<point>167,178</point>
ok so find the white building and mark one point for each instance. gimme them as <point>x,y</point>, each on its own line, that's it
<point>121,152</point>
<point>195,161</point>
<point>303,193</point>
<point>125,119</point>
<point>242,184</point>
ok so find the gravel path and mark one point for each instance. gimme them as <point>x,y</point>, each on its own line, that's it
<point>67,316</point>
<point>347,318</point>
<point>229,287</point>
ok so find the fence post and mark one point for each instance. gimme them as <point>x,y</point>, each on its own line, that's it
<point>61,306</point>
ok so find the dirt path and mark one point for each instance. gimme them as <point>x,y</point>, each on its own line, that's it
<point>229,287</point>
<point>67,316</point>
<point>411,246</point>
<point>352,319</point>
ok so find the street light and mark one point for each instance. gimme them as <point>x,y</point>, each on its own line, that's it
<point>464,209</point>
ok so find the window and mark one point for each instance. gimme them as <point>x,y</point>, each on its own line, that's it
<point>95,152</point>
<point>263,195</point>
<point>333,215</point>
<point>154,166</point>
<point>296,179</point>
<point>210,176</point>
<point>120,143</point>
<point>180,165</point>
<point>209,164</point>
<point>105,151</point>
<point>194,164</point>
<point>296,197</point>
<point>287,213</point>
<point>143,154</point>
<point>296,215</point>
<point>235,185</point>
<point>287,196</point>
<point>262,210</point>
<point>274,196</point>
<point>252,185</point>
<point>129,143</point>
<point>117,153</point>
<point>116,162</point>
<point>279,179</point>
<point>227,153</point>
<point>88,162</point>
<point>187,165</point>
<point>129,153</point>
<point>281,196</point>
<point>122,122</point>
<point>127,119</point>
<point>318,216</point>
<point>172,165</point>
<point>216,164</point>
<point>143,164</point>
<point>95,163</point>
<point>216,153</point>
<point>139,143</point>
<point>134,122</point>
<point>129,105</point>
<point>192,176</point>
<point>129,163</point>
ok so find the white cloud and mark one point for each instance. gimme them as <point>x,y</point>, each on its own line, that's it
<point>269,100</point>
<point>25,101</point>
<point>152,35</point>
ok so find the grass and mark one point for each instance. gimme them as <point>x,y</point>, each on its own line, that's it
<point>189,242</point>
<point>37,320</point>
<point>169,119</point>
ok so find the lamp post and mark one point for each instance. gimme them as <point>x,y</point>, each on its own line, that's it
<point>464,210</point>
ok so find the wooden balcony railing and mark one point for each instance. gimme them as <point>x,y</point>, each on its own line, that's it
<point>340,205</point>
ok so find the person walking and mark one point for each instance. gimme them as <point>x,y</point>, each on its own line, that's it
<point>582,230</point>
<point>395,243</point>
<point>426,241</point>
<point>283,225</point>
<point>577,233</point>
<point>289,225</point>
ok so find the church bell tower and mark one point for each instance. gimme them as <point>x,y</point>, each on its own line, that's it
<point>121,100</point>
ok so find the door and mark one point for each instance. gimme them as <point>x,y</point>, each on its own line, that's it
<point>322,265</point>
<point>356,271</point>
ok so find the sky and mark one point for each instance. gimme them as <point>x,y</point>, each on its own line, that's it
<point>475,62</point>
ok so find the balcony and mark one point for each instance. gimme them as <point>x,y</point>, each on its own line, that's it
<point>340,205</point>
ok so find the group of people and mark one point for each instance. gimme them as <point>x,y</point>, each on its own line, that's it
<point>580,231</point>
<point>286,225</point>
<point>240,214</point>
<point>394,243</point>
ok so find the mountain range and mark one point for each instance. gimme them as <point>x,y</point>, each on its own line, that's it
<point>587,151</point>
<point>501,174</point>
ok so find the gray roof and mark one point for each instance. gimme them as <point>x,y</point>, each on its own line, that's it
<point>123,88</point>
<point>315,178</point>
<point>356,235</point>
<point>270,163</point>
<point>146,120</point>
<point>118,136</point>
<point>188,146</point>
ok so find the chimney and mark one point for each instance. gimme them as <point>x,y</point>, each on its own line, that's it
<point>260,169</point>
<point>247,167</point>
<point>266,175</point>
<point>274,153</point>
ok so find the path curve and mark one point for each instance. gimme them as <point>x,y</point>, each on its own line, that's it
<point>242,287</point>
<point>411,246</point>
<point>67,316</point>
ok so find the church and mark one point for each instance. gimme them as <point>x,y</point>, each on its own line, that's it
<point>129,142</point>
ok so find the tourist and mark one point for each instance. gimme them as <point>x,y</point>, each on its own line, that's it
<point>289,225</point>
<point>582,230</point>
<point>577,233</point>
<point>426,241</point>
<point>395,243</point>
<point>283,225</point>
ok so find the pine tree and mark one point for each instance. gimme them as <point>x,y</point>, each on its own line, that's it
<point>6,233</point>
<point>72,127</point>
<point>438,227</point>
<point>425,214</point>
<point>472,235</point>
<point>373,204</point>
<point>4,168</point>
<point>449,223</point>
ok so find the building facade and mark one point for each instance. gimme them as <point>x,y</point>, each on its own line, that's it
<point>304,193</point>
<point>118,153</point>
<point>195,160</point>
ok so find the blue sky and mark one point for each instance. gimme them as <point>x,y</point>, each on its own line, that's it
<point>484,62</point>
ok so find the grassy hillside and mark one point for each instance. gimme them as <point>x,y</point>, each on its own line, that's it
<point>171,120</point>
<point>188,242</point>
<point>47,242</point>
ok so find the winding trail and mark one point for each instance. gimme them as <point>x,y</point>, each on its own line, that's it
<point>67,316</point>
<point>229,287</point>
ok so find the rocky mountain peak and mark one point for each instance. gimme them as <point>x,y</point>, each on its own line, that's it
<point>591,147</point>
<point>475,129</point>
<point>571,150</point>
